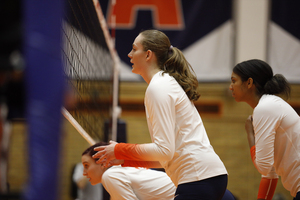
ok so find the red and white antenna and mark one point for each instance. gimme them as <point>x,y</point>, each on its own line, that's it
<point>110,39</point>
<point>113,22</point>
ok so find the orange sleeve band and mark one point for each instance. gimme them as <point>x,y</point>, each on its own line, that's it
<point>130,154</point>
<point>145,164</point>
<point>252,152</point>
<point>126,151</point>
<point>267,188</point>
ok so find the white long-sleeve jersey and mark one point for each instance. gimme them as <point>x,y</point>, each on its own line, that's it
<point>277,141</point>
<point>130,183</point>
<point>179,139</point>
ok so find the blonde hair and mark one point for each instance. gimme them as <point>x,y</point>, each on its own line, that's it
<point>172,61</point>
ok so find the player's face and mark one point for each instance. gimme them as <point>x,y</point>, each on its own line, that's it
<point>238,88</point>
<point>91,169</point>
<point>138,56</point>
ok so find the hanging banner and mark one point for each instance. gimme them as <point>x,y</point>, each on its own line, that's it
<point>284,39</point>
<point>202,29</point>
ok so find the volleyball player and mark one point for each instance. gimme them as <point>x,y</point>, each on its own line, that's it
<point>273,130</point>
<point>130,182</point>
<point>124,183</point>
<point>179,140</point>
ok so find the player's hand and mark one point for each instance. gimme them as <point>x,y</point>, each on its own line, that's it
<point>105,154</point>
<point>249,125</point>
<point>112,162</point>
<point>250,131</point>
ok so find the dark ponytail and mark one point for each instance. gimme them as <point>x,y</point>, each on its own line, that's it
<point>278,85</point>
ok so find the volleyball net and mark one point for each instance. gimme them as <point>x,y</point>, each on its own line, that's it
<point>91,69</point>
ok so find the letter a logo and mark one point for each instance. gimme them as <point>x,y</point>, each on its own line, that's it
<point>166,14</point>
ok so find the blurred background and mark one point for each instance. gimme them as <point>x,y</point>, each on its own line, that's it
<point>106,99</point>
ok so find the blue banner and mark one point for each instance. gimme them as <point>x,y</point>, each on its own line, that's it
<point>284,39</point>
<point>202,29</point>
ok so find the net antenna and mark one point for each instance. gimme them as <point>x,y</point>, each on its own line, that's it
<point>116,109</point>
<point>110,40</point>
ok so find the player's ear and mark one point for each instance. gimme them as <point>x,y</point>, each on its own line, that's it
<point>250,82</point>
<point>149,54</point>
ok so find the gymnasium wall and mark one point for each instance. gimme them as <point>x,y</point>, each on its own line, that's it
<point>224,122</point>
<point>222,116</point>
<point>223,119</point>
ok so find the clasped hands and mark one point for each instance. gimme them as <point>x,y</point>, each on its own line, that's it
<point>106,155</point>
<point>250,131</point>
